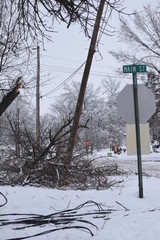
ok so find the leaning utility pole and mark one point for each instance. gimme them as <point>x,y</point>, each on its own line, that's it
<point>37,100</point>
<point>80,100</point>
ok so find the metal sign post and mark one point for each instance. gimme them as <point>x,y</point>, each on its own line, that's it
<point>134,69</point>
<point>136,104</point>
<point>136,111</point>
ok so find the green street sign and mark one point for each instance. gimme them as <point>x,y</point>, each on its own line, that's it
<point>134,68</point>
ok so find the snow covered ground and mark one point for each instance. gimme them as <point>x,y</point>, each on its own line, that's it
<point>132,218</point>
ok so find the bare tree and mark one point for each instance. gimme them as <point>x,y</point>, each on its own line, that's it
<point>142,35</point>
<point>115,124</point>
<point>13,55</point>
<point>111,87</point>
<point>18,123</point>
<point>12,48</point>
<point>39,16</point>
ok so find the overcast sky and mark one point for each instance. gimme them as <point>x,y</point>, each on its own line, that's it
<point>69,50</point>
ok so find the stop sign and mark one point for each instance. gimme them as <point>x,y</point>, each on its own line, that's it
<point>87,142</point>
<point>146,103</point>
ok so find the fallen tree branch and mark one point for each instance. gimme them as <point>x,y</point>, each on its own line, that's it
<point>122,206</point>
<point>4,199</point>
<point>75,218</point>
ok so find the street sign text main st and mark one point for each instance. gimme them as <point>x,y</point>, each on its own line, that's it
<point>134,68</point>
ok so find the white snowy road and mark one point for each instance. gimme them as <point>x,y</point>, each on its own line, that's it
<point>150,163</point>
<point>149,168</point>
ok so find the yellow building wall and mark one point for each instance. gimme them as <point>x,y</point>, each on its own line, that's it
<point>131,139</point>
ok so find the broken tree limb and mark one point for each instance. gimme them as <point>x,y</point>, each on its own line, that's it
<point>122,206</point>
<point>10,96</point>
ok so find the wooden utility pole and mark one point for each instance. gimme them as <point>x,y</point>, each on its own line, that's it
<point>80,100</point>
<point>91,132</point>
<point>38,100</point>
<point>18,135</point>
